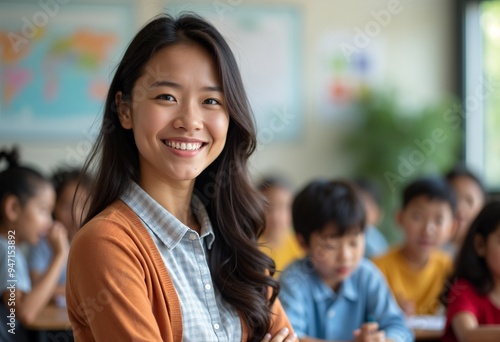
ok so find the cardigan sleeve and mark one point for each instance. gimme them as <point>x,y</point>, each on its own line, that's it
<point>279,320</point>
<point>107,296</point>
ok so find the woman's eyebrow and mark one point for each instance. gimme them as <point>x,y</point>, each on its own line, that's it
<point>165,83</point>
<point>212,88</point>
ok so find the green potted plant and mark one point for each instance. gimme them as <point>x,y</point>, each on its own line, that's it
<point>391,145</point>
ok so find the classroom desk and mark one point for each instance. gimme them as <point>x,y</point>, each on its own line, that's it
<point>51,318</point>
<point>427,335</point>
<point>54,320</point>
<point>52,324</point>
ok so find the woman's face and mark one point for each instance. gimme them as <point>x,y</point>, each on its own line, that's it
<point>178,114</point>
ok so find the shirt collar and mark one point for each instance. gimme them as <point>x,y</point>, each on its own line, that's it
<point>161,222</point>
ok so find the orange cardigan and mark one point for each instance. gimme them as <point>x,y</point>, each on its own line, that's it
<point>118,288</point>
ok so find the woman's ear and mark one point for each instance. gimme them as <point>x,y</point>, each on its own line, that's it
<point>124,113</point>
<point>12,208</point>
<point>479,245</point>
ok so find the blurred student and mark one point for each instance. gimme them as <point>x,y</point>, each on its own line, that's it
<point>27,200</point>
<point>473,296</point>
<point>470,199</point>
<point>416,271</point>
<point>376,244</point>
<point>170,238</point>
<point>69,209</point>
<point>278,240</point>
<point>334,293</point>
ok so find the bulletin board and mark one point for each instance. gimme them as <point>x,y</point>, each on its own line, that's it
<point>266,41</point>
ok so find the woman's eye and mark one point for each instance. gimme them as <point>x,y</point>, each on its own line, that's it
<point>211,102</point>
<point>165,97</point>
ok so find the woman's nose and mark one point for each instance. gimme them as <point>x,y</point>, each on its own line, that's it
<point>189,117</point>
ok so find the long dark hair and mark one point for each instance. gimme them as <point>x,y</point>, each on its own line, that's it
<point>240,271</point>
<point>469,265</point>
<point>17,180</point>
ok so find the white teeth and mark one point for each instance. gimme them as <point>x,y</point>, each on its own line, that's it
<point>184,146</point>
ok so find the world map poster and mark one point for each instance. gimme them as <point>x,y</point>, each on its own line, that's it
<point>55,66</point>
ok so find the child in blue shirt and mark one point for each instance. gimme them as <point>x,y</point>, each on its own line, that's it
<point>334,293</point>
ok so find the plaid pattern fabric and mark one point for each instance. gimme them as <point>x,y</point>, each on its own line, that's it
<point>205,315</point>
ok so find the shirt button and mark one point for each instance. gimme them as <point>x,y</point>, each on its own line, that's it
<point>216,326</point>
<point>192,236</point>
<point>331,313</point>
<point>207,287</point>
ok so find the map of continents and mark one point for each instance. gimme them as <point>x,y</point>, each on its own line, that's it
<point>54,74</point>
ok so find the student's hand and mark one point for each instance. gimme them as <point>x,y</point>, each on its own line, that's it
<point>58,239</point>
<point>407,305</point>
<point>369,333</point>
<point>282,336</point>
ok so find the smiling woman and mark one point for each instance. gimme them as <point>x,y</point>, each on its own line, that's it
<point>173,220</point>
<point>181,110</point>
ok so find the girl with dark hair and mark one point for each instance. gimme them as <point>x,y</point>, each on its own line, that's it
<point>470,200</point>
<point>473,291</point>
<point>68,210</point>
<point>169,248</point>
<point>26,204</point>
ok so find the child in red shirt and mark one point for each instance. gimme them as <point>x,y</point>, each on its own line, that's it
<point>473,293</point>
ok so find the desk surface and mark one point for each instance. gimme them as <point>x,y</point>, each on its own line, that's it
<point>56,318</point>
<point>427,335</point>
<point>51,318</point>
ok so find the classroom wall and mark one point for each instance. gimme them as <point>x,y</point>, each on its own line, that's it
<point>419,60</point>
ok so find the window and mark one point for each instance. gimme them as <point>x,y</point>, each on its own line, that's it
<point>482,89</point>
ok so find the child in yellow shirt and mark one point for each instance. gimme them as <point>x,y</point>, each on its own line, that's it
<point>417,270</point>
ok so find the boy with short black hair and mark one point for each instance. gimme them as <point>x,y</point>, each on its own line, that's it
<point>334,293</point>
<point>417,270</point>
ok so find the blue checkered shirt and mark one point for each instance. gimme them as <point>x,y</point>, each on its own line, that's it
<point>205,315</point>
